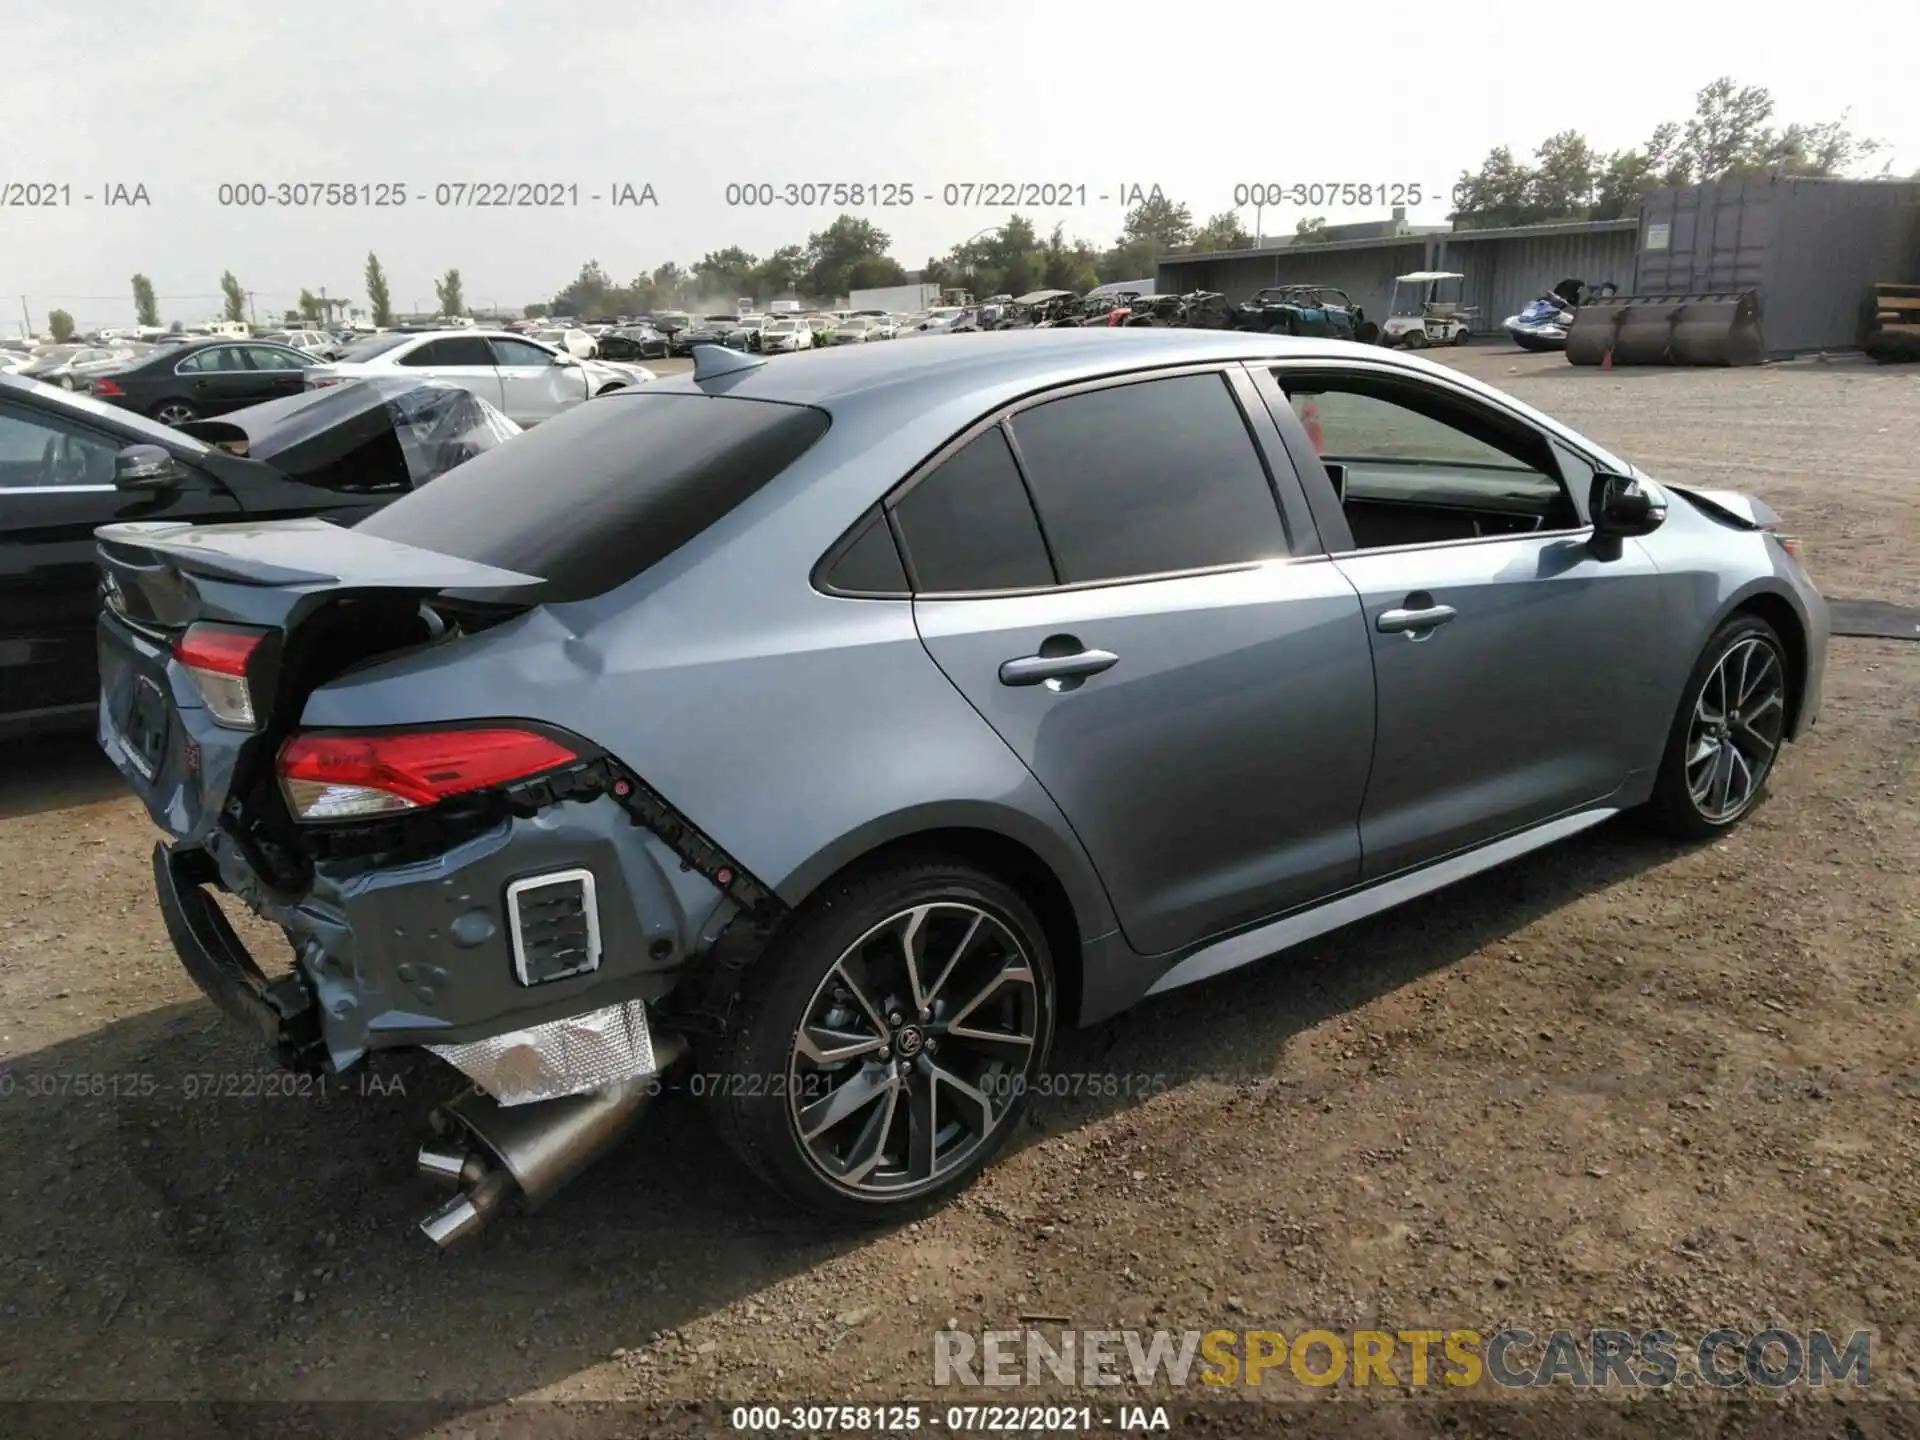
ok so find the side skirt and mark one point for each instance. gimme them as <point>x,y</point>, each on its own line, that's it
<point>1250,945</point>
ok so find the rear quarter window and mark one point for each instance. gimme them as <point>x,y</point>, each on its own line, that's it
<point>605,491</point>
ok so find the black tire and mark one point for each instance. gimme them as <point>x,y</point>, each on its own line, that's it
<point>1674,808</point>
<point>1461,337</point>
<point>1368,333</point>
<point>762,1085</point>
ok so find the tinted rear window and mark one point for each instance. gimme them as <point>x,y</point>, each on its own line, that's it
<point>970,526</point>
<point>601,493</point>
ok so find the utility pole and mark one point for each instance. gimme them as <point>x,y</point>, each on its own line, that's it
<point>253,315</point>
<point>25,319</point>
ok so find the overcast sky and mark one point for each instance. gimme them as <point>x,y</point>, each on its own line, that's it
<point>1195,97</point>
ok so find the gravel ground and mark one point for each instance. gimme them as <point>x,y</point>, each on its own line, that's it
<point>1618,1083</point>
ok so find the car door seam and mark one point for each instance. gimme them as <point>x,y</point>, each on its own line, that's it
<point>1078,839</point>
<point>1373,750</point>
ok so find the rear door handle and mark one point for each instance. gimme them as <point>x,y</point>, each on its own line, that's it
<point>1035,669</point>
<point>1394,622</point>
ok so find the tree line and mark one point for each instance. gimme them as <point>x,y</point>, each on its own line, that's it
<point>1730,135</point>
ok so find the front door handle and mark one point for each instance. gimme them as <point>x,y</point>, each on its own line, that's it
<point>1036,669</point>
<point>1394,622</point>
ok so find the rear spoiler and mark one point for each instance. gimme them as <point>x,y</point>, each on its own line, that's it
<point>295,554</point>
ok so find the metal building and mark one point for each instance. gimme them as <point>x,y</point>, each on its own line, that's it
<point>1507,268</point>
<point>1363,268</point>
<point>1812,248</point>
<point>1504,268</point>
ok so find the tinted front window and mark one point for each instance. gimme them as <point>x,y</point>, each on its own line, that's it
<point>37,450</point>
<point>970,526</point>
<point>1147,478</point>
<point>604,491</point>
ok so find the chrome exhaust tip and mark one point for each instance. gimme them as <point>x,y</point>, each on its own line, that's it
<point>491,1152</point>
<point>467,1213</point>
<point>452,1167</point>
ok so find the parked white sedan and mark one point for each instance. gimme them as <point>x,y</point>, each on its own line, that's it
<point>530,381</point>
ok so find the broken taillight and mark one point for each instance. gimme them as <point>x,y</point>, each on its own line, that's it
<point>106,388</point>
<point>361,776</point>
<point>217,657</point>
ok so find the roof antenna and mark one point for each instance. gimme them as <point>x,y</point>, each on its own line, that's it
<point>710,362</point>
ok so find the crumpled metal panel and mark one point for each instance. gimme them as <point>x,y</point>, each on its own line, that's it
<point>562,1057</point>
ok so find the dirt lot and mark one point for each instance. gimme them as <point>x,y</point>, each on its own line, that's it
<point>1618,1083</point>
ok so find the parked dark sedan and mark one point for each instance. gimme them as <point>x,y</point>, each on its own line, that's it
<point>706,331</point>
<point>633,342</point>
<point>208,377</point>
<point>69,463</point>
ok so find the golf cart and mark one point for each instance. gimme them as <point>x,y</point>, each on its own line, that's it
<point>1426,310</point>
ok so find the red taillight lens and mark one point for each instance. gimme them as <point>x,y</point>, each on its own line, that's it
<point>223,649</point>
<point>217,657</point>
<point>107,387</point>
<point>321,382</point>
<point>343,777</point>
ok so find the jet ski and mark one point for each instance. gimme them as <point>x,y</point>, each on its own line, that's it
<point>1542,325</point>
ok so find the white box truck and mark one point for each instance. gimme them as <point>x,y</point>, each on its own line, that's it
<point>907,299</point>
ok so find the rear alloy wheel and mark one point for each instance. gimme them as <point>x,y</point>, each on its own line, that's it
<point>1728,732</point>
<point>895,1032</point>
<point>174,412</point>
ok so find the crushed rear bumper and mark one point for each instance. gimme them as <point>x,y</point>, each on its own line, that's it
<point>283,1010</point>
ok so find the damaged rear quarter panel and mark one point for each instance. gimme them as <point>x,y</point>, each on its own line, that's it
<point>419,954</point>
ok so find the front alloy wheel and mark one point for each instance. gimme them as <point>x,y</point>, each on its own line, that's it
<point>1735,729</point>
<point>1728,732</point>
<point>884,1046</point>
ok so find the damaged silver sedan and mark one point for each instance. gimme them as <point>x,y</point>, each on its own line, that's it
<point>852,722</point>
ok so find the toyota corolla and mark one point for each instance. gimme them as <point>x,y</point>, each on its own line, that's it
<point>854,722</point>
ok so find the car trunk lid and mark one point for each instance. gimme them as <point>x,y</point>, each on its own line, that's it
<point>213,636</point>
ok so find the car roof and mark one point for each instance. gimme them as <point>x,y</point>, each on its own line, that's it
<point>838,378</point>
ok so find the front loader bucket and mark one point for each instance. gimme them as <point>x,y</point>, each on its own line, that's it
<point>1716,329</point>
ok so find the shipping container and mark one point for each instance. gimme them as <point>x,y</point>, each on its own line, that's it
<point>1811,248</point>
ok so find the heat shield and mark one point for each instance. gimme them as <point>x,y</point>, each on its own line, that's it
<point>562,1057</point>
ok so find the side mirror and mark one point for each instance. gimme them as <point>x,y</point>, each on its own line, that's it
<point>1619,505</point>
<point>147,467</point>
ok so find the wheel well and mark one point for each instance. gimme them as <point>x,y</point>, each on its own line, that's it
<point>1786,624</point>
<point>1021,868</point>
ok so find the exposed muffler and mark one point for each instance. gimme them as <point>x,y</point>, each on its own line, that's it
<point>491,1152</point>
